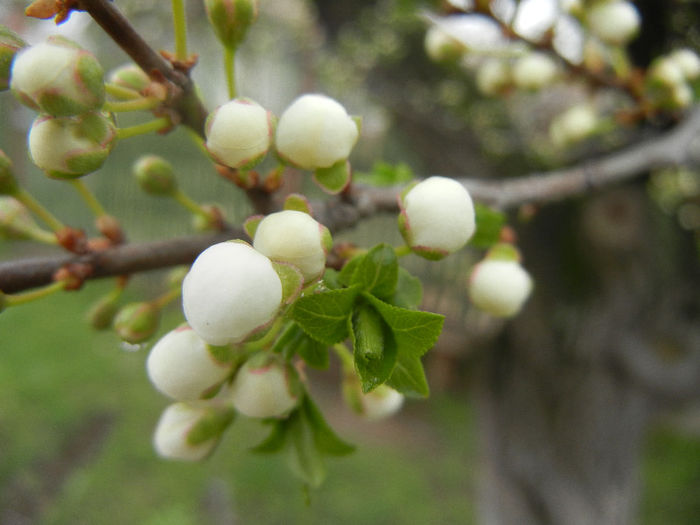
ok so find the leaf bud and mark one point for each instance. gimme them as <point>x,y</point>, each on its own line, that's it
<point>58,77</point>
<point>296,238</point>
<point>239,133</point>
<point>614,22</point>
<point>130,76</point>
<point>534,71</point>
<point>264,387</point>
<point>437,217</point>
<point>10,43</point>
<point>499,285</point>
<point>314,132</point>
<point>70,147</point>
<point>190,431</point>
<point>15,220</point>
<point>8,183</point>
<point>230,292</point>
<point>231,19</point>
<point>155,175</point>
<point>137,322</point>
<point>182,366</point>
<point>101,314</point>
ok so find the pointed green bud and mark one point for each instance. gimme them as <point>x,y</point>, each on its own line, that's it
<point>8,183</point>
<point>101,314</point>
<point>58,77</point>
<point>231,19</point>
<point>155,175</point>
<point>137,322</point>
<point>10,43</point>
<point>70,147</point>
<point>130,76</point>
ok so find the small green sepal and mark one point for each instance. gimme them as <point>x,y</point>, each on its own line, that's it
<point>334,179</point>
<point>297,202</point>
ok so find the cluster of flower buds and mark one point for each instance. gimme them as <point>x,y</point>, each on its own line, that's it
<point>70,137</point>
<point>437,217</point>
<point>673,77</point>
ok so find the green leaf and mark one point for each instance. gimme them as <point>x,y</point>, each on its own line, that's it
<point>415,332</point>
<point>409,291</point>
<point>325,438</point>
<point>331,279</point>
<point>335,178</point>
<point>292,280</point>
<point>385,174</point>
<point>314,353</point>
<point>489,223</point>
<point>377,271</point>
<point>374,347</point>
<point>274,442</point>
<point>408,376</point>
<point>324,315</point>
<point>302,453</point>
<point>346,273</point>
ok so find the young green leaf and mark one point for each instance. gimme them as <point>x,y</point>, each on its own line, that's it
<point>345,275</point>
<point>302,453</point>
<point>377,271</point>
<point>314,353</point>
<point>408,376</point>
<point>385,174</point>
<point>409,291</point>
<point>488,226</point>
<point>324,315</point>
<point>275,439</point>
<point>331,279</point>
<point>326,439</point>
<point>374,347</point>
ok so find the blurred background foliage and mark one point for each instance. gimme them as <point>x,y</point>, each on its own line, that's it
<point>77,409</point>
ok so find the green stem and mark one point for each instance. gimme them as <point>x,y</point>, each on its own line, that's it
<point>230,67</point>
<point>158,124</point>
<point>180,29</point>
<point>121,92</point>
<point>167,298</point>
<point>40,235</point>
<point>137,104</point>
<point>198,141</point>
<point>40,211</point>
<point>268,338</point>
<point>189,204</point>
<point>402,251</point>
<point>26,297</point>
<point>345,357</point>
<point>89,197</point>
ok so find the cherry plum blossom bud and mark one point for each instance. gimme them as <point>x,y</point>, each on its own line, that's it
<point>614,22</point>
<point>666,72</point>
<point>688,62</point>
<point>10,43</point>
<point>137,322</point>
<point>58,77</point>
<point>437,217</point>
<point>315,131</point>
<point>70,147</point>
<point>441,47</point>
<point>231,291</point>
<point>499,286</point>
<point>574,125</point>
<point>182,366</point>
<point>130,76</point>
<point>101,314</point>
<point>534,71</point>
<point>493,76</point>
<point>239,133</point>
<point>155,175</point>
<point>380,403</point>
<point>296,238</point>
<point>190,431</point>
<point>264,387</point>
<point>231,19</point>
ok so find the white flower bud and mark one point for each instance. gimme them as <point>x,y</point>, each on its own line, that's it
<point>534,71</point>
<point>667,72</point>
<point>574,125</point>
<point>230,292</point>
<point>688,62</point>
<point>615,22</point>
<point>170,437</point>
<point>315,131</point>
<point>239,133</point>
<point>682,95</point>
<point>69,147</point>
<point>58,77</point>
<point>441,47</point>
<point>296,238</point>
<point>499,287</point>
<point>437,217</point>
<point>263,387</point>
<point>493,76</point>
<point>381,402</point>
<point>181,365</point>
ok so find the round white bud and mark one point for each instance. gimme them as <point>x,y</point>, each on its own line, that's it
<point>230,292</point>
<point>381,402</point>
<point>574,125</point>
<point>315,131</point>
<point>688,62</point>
<point>58,77</point>
<point>69,147</point>
<point>175,423</point>
<point>262,388</point>
<point>499,287</point>
<point>440,46</point>
<point>239,133</point>
<point>667,72</point>
<point>493,76</point>
<point>615,22</point>
<point>534,71</point>
<point>437,217</point>
<point>181,366</point>
<point>682,95</point>
<point>296,238</point>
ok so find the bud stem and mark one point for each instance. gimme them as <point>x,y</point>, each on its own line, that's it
<point>136,104</point>
<point>121,92</point>
<point>189,204</point>
<point>40,235</point>
<point>39,210</point>
<point>198,141</point>
<point>26,297</point>
<point>401,251</point>
<point>180,29</point>
<point>230,67</point>
<point>89,197</point>
<point>166,298</point>
<point>158,124</point>
<point>269,337</point>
